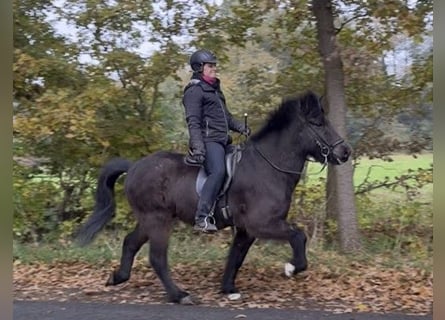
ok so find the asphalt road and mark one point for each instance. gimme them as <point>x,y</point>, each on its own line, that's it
<point>48,310</point>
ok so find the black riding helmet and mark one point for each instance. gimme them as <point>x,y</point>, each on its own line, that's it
<point>200,57</point>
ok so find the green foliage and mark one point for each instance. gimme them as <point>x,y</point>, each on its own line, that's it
<point>400,229</point>
<point>308,208</point>
<point>34,214</point>
<point>394,206</point>
<point>392,227</point>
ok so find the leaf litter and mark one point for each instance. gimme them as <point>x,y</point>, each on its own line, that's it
<point>362,288</point>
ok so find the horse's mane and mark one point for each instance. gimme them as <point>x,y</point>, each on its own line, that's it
<point>284,115</point>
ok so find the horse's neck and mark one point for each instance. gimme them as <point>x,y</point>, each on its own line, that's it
<point>283,153</point>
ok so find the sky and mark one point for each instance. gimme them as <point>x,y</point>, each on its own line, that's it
<point>397,60</point>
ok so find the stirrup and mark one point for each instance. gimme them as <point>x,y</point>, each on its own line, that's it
<point>210,219</point>
<point>209,226</point>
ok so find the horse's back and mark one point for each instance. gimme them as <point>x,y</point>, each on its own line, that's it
<point>162,181</point>
<point>155,168</point>
<point>159,160</point>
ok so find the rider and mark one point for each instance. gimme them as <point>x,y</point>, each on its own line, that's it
<point>208,122</point>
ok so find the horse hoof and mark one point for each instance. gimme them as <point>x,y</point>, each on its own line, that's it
<point>116,279</point>
<point>289,269</point>
<point>234,296</point>
<point>187,300</point>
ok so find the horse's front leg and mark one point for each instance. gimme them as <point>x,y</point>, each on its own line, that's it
<point>281,230</point>
<point>298,263</point>
<point>238,251</point>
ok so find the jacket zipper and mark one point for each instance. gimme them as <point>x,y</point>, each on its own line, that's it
<point>207,127</point>
<point>224,113</point>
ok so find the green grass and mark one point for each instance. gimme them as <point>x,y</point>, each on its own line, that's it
<point>379,169</point>
<point>52,252</point>
<point>401,164</point>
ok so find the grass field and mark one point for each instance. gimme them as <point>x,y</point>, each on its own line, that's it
<point>378,170</point>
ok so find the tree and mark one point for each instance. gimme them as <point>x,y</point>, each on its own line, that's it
<point>340,190</point>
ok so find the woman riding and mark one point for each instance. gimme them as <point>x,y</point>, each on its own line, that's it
<point>209,122</point>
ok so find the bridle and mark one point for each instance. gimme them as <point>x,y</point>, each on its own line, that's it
<point>325,150</point>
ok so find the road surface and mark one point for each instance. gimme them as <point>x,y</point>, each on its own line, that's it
<point>52,310</point>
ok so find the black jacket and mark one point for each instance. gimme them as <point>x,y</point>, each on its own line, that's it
<point>206,114</point>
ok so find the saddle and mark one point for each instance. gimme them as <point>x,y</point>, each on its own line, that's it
<point>233,156</point>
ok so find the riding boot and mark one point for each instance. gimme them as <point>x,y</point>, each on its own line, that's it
<point>204,222</point>
<point>215,169</point>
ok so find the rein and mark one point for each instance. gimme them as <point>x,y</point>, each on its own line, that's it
<point>325,150</point>
<point>286,170</point>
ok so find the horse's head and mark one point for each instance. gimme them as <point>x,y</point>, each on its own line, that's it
<point>324,143</point>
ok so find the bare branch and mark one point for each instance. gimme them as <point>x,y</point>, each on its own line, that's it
<point>337,30</point>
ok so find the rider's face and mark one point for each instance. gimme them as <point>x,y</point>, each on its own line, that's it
<point>209,70</point>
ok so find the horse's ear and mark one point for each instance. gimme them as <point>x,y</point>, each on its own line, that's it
<point>323,102</point>
<point>312,108</point>
<point>306,102</point>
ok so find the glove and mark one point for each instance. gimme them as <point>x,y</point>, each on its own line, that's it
<point>195,156</point>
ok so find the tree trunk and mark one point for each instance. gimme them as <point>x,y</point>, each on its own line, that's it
<point>340,199</point>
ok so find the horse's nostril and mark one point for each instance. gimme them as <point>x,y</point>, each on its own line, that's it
<point>346,153</point>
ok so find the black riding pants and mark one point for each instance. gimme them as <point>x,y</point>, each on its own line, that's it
<point>216,169</point>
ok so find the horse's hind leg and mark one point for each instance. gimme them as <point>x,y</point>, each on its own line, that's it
<point>132,243</point>
<point>238,251</point>
<point>159,236</point>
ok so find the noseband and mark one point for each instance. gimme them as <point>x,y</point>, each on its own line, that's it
<point>325,148</point>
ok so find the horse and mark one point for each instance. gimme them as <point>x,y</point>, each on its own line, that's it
<point>160,189</point>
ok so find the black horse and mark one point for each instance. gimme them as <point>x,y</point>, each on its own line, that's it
<point>161,188</point>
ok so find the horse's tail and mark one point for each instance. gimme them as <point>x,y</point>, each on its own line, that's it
<point>104,208</point>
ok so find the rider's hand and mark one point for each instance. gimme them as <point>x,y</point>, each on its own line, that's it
<point>245,131</point>
<point>200,158</point>
<point>196,156</point>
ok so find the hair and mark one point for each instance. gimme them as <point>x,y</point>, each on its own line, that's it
<point>280,118</point>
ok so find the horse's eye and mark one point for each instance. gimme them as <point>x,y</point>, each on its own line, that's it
<point>316,122</point>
